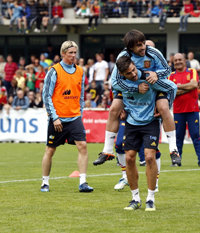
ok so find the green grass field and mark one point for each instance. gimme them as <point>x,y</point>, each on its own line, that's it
<point>24,209</point>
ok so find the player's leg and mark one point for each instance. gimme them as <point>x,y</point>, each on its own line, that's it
<point>46,167</point>
<point>78,137</point>
<point>132,144</point>
<point>158,162</point>
<point>121,157</point>
<point>162,105</point>
<point>141,156</point>
<point>180,122</point>
<point>150,134</point>
<point>151,173</point>
<point>193,126</point>
<point>112,127</point>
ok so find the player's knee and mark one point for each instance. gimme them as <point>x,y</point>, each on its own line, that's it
<point>115,110</point>
<point>149,159</point>
<point>163,108</point>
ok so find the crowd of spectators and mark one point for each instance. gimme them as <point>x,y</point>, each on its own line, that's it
<point>21,83</point>
<point>24,13</point>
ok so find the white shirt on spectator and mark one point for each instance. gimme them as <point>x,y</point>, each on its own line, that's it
<point>195,64</point>
<point>100,69</point>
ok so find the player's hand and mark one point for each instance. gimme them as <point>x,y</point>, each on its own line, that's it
<point>58,125</point>
<point>152,78</point>
<point>156,113</point>
<point>143,88</point>
<point>123,115</point>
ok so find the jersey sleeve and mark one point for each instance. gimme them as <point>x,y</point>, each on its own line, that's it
<point>48,89</point>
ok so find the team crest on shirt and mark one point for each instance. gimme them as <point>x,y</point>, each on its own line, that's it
<point>147,64</point>
<point>188,77</point>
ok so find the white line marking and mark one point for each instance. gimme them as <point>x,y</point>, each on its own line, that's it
<point>95,175</point>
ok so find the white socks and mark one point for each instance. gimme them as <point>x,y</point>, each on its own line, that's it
<point>109,142</point>
<point>45,180</point>
<point>171,137</point>
<point>150,195</point>
<point>82,178</point>
<point>121,159</point>
<point>135,195</point>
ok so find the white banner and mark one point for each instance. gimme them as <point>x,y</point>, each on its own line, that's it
<point>24,125</point>
<point>31,126</point>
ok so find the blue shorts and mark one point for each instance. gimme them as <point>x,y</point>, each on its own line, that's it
<point>72,131</point>
<point>135,135</point>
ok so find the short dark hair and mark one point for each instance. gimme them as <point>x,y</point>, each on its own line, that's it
<point>132,38</point>
<point>123,63</point>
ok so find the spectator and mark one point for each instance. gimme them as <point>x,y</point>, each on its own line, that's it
<point>171,62</point>
<point>81,63</point>
<point>90,70</point>
<point>43,63</point>
<point>38,100</point>
<point>56,59</point>
<point>3,97</point>
<point>4,9</point>
<point>17,14</point>
<point>13,90</point>
<point>89,103</point>
<point>164,13</point>
<point>124,4</point>
<point>194,63</point>
<point>2,66</point>
<point>40,75</point>
<point>22,63</point>
<point>31,13</point>
<point>187,9</point>
<point>20,80</point>
<point>83,11</point>
<point>104,103</point>
<point>111,63</point>
<point>30,78</point>
<point>31,98</point>
<point>42,16</point>
<point>175,8</point>
<point>8,105</point>
<point>95,13</point>
<point>10,69</point>
<point>95,92</point>
<point>57,14</point>
<point>101,71</point>
<point>185,106</point>
<point>20,101</point>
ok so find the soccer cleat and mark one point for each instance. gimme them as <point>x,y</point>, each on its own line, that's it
<point>156,189</point>
<point>44,188</point>
<point>150,206</point>
<point>142,163</point>
<point>175,157</point>
<point>121,184</point>
<point>103,157</point>
<point>134,205</point>
<point>85,188</point>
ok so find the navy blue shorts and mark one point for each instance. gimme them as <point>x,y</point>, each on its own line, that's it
<point>135,135</point>
<point>72,131</point>
<point>161,95</point>
<point>118,95</point>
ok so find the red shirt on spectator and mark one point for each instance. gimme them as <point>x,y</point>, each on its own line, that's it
<point>188,8</point>
<point>57,10</point>
<point>187,102</point>
<point>10,69</point>
<point>39,78</point>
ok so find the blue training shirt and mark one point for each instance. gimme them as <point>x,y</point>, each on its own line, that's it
<point>48,89</point>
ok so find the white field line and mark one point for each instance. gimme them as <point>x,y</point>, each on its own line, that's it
<point>95,175</point>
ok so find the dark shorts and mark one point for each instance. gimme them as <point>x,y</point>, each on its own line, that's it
<point>135,135</point>
<point>118,95</point>
<point>72,131</point>
<point>161,95</point>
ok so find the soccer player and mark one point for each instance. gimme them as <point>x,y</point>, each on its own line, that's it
<point>152,63</point>
<point>141,128</point>
<point>185,107</point>
<point>122,159</point>
<point>63,95</point>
